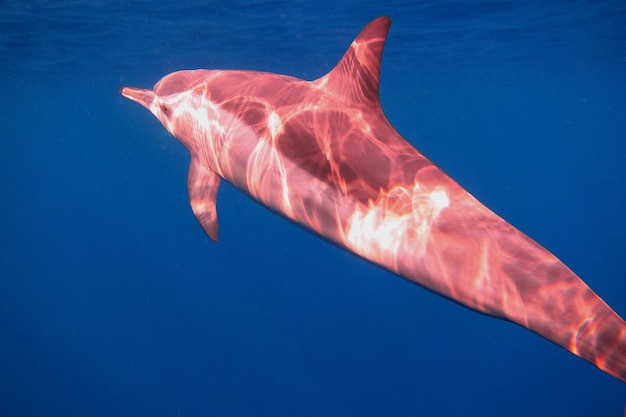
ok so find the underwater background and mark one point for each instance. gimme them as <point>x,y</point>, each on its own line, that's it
<point>113,302</point>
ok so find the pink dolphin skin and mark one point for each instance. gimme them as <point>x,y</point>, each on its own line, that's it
<point>322,154</point>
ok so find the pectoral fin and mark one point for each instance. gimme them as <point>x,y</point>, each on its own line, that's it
<point>202,185</point>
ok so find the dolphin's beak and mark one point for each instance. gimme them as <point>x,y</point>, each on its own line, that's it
<point>138,95</point>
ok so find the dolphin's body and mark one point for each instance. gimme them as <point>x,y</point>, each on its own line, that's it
<point>322,154</point>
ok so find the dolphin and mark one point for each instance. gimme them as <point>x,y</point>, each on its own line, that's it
<point>322,154</point>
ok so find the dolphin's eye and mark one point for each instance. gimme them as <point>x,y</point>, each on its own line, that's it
<point>165,109</point>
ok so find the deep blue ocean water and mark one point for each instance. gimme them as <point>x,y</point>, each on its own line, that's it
<point>113,302</point>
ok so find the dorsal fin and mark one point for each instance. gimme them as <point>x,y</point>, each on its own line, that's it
<point>355,78</point>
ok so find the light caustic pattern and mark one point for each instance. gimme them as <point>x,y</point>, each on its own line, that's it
<point>323,154</point>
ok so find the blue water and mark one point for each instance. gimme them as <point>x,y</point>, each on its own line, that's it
<point>113,302</point>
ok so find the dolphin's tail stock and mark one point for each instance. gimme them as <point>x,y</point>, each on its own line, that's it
<point>581,322</point>
<point>559,306</point>
<point>585,325</point>
<point>507,274</point>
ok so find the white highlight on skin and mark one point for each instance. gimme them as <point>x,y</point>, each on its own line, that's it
<point>264,160</point>
<point>440,199</point>
<point>397,222</point>
<point>275,124</point>
<point>201,206</point>
<point>210,125</point>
